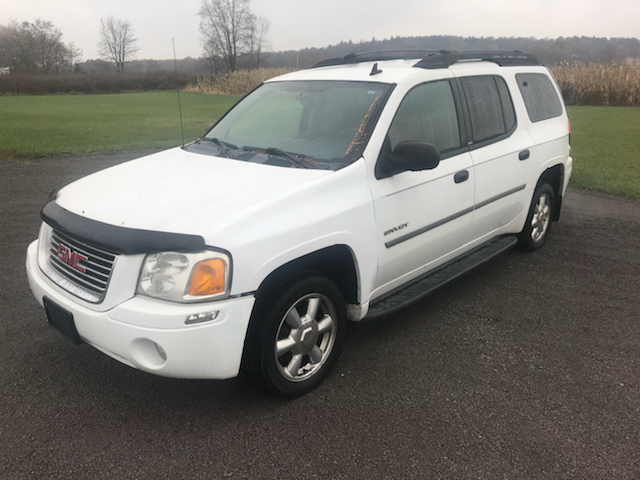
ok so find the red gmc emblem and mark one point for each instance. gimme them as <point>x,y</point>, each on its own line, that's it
<point>70,257</point>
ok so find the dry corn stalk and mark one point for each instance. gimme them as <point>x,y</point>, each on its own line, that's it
<point>234,83</point>
<point>581,84</point>
<point>598,84</point>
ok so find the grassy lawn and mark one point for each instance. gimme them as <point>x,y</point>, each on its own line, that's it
<point>605,146</point>
<point>35,126</point>
<point>605,140</point>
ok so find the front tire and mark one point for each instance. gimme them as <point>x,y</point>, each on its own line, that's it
<point>296,335</point>
<point>539,220</point>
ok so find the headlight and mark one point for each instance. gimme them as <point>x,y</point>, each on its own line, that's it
<point>44,244</point>
<point>185,277</point>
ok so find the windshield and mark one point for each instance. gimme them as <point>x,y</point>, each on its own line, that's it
<point>304,124</point>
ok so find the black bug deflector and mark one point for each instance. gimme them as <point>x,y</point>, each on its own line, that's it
<point>117,239</point>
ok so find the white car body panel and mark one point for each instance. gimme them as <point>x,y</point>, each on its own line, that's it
<point>178,191</point>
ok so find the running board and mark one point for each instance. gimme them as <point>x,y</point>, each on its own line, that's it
<point>427,284</point>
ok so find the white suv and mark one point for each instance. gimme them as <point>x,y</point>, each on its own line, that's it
<point>340,192</point>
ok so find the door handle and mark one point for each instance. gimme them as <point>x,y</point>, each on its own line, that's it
<point>523,155</point>
<point>461,176</point>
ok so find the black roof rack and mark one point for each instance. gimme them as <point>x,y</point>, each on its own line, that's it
<point>377,56</point>
<point>502,58</point>
<point>432,59</point>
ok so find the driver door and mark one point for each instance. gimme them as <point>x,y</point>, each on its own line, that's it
<point>422,216</point>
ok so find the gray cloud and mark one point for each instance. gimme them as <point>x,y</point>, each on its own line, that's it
<point>299,24</point>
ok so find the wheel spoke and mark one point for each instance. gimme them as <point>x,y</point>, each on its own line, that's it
<point>312,307</point>
<point>284,345</point>
<point>293,319</point>
<point>325,324</point>
<point>543,201</point>
<point>294,365</point>
<point>315,355</point>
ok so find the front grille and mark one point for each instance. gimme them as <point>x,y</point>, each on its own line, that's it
<point>86,267</point>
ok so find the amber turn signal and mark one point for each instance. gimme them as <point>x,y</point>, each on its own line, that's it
<point>208,277</point>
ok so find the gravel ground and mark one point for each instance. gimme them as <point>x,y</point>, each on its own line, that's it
<point>527,367</point>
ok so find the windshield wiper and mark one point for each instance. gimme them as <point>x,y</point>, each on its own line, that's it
<point>293,158</point>
<point>224,146</point>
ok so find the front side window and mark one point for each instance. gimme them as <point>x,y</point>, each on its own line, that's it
<point>427,114</point>
<point>307,124</point>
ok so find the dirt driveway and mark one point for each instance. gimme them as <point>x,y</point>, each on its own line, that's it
<point>525,368</point>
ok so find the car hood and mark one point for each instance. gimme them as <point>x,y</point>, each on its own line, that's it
<point>181,192</point>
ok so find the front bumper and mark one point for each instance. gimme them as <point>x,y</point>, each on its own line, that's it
<point>131,331</point>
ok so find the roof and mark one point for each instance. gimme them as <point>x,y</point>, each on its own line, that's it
<point>392,66</point>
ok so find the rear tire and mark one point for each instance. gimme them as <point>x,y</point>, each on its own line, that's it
<point>539,220</point>
<point>296,335</point>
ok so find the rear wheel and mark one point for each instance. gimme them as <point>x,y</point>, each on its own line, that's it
<point>297,333</point>
<point>538,223</point>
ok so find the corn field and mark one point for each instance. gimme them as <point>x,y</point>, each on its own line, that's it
<point>597,84</point>
<point>234,83</point>
<point>581,84</point>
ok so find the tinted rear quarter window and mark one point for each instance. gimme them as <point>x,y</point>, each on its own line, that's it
<point>540,97</point>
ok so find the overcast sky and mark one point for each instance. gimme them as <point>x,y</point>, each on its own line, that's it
<point>297,24</point>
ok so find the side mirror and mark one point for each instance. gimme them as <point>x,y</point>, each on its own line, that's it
<point>414,156</point>
<point>209,127</point>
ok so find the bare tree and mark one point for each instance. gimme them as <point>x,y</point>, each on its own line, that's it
<point>117,43</point>
<point>257,40</point>
<point>225,25</point>
<point>74,55</point>
<point>35,47</point>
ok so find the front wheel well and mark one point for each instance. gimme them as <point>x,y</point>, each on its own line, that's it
<point>336,263</point>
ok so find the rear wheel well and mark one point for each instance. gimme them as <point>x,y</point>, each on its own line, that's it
<point>554,176</point>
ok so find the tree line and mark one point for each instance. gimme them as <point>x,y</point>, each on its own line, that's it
<point>37,47</point>
<point>549,51</point>
<point>232,37</point>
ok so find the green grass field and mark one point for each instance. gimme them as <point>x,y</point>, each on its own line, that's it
<point>36,126</point>
<point>605,140</point>
<point>605,146</point>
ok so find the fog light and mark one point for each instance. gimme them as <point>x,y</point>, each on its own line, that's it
<point>148,353</point>
<point>201,317</point>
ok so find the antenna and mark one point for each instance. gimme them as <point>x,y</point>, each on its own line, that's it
<point>175,61</point>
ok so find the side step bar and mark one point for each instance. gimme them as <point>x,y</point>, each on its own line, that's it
<point>421,287</point>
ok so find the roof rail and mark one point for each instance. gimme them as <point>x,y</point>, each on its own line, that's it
<point>445,59</point>
<point>377,56</point>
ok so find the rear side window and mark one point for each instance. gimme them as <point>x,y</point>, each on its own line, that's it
<point>490,107</point>
<point>540,98</point>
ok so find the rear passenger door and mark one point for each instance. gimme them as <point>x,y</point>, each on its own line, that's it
<point>499,149</point>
